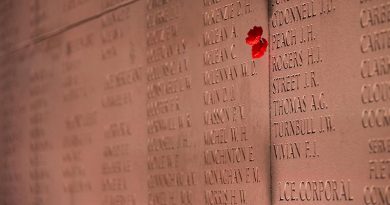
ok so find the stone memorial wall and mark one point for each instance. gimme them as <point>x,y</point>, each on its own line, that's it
<point>179,102</point>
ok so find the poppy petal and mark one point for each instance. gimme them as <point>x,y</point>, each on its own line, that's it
<point>254,35</point>
<point>260,48</point>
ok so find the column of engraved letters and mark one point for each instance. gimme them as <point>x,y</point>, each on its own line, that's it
<point>234,144</point>
<point>169,120</point>
<point>81,148</point>
<point>13,134</point>
<point>122,101</point>
<point>42,140</point>
<point>374,73</point>
<point>312,143</point>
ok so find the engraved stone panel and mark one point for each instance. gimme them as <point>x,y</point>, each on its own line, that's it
<point>164,102</point>
<point>73,112</point>
<point>329,101</point>
<point>207,140</point>
<point>234,104</point>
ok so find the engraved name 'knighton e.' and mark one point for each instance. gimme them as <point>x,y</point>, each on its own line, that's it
<point>201,102</point>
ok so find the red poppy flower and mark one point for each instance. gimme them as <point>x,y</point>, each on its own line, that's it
<point>254,35</point>
<point>259,45</point>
